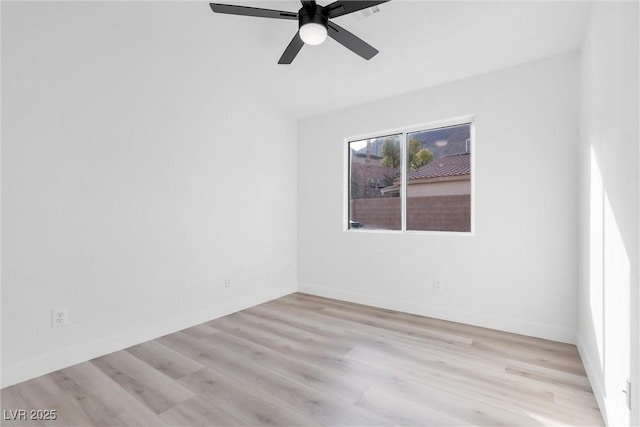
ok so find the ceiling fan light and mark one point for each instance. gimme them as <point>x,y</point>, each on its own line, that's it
<point>313,34</point>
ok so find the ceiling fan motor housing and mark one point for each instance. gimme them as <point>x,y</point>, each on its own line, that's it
<point>316,16</point>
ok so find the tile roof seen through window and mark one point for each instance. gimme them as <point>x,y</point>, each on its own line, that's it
<point>457,164</point>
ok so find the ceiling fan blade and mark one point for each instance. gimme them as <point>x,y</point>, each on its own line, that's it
<point>351,42</point>
<point>252,11</point>
<point>292,50</point>
<point>343,7</point>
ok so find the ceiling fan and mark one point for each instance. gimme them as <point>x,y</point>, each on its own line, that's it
<point>313,24</point>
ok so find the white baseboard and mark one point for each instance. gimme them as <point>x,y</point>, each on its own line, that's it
<point>594,379</point>
<point>50,362</point>
<point>539,330</point>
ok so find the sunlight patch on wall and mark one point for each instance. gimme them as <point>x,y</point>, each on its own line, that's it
<point>596,257</point>
<point>617,278</point>
<point>609,297</point>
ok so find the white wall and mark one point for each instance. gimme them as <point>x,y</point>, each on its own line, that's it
<point>136,175</point>
<point>609,231</point>
<point>519,271</point>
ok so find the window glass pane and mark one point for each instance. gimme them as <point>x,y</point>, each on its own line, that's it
<point>439,179</point>
<point>374,191</point>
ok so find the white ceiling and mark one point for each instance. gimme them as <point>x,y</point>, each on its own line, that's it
<point>421,43</point>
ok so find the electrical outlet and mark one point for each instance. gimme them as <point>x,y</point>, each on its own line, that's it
<point>227,282</point>
<point>437,285</point>
<point>59,317</point>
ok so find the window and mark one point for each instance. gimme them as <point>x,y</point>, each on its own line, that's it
<point>411,181</point>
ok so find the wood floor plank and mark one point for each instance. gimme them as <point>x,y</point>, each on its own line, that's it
<point>406,329</point>
<point>310,373</point>
<point>293,333</point>
<point>146,384</point>
<point>478,383</point>
<point>200,331</point>
<point>355,333</point>
<point>544,359</point>
<point>355,325</point>
<point>172,363</point>
<point>199,411</point>
<point>404,412</point>
<point>545,374</point>
<point>102,400</point>
<point>473,410</point>
<point>256,409</point>
<point>43,393</point>
<point>369,336</point>
<point>304,360</point>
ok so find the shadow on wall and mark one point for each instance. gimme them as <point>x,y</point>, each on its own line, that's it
<point>609,298</point>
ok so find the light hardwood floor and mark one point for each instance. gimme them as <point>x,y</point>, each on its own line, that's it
<point>303,360</point>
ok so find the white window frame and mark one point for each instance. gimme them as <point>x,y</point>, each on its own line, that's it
<point>457,121</point>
